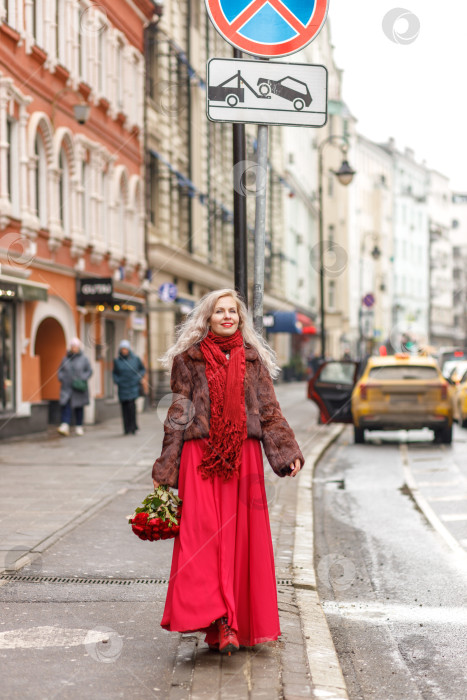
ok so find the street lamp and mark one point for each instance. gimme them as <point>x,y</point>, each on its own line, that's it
<point>344,175</point>
<point>81,110</point>
<point>375,253</point>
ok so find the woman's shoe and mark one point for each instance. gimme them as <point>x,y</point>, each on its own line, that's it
<point>64,429</point>
<point>228,641</point>
<point>79,430</point>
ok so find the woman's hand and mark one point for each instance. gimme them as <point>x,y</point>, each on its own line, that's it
<point>295,467</point>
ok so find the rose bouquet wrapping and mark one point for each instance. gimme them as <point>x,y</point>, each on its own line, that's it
<point>159,516</point>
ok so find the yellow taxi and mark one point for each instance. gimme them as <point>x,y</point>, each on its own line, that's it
<point>460,401</point>
<point>394,392</point>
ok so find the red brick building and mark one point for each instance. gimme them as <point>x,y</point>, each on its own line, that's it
<point>71,198</point>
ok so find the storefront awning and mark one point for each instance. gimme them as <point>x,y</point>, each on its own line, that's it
<point>288,322</point>
<point>18,289</point>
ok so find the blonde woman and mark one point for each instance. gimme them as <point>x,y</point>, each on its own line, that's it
<point>223,407</point>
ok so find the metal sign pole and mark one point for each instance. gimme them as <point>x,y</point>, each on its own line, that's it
<point>240,225</point>
<point>260,227</point>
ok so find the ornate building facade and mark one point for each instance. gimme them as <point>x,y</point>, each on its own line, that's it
<point>71,197</point>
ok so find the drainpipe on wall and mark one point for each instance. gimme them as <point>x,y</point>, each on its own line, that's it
<point>149,34</point>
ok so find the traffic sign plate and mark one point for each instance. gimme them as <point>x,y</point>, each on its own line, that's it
<point>262,92</point>
<point>168,291</point>
<point>368,300</point>
<point>268,28</point>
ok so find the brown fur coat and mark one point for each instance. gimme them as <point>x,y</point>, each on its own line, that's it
<point>189,414</point>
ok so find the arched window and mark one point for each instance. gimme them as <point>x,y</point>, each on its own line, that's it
<point>41,182</point>
<point>64,192</point>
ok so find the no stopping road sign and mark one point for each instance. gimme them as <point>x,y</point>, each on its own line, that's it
<point>268,28</point>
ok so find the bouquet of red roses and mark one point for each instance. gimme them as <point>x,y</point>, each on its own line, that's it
<point>159,516</point>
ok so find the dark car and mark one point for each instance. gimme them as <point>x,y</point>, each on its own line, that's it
<point>289,88</point>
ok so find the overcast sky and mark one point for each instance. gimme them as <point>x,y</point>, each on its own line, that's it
<point>413,88</point>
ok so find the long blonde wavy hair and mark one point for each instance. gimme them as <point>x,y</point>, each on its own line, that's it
<point>196,327</point>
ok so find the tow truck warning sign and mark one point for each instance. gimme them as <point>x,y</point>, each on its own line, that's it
<point>260,92</point>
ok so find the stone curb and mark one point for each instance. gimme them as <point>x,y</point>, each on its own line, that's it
<point>326,674</point>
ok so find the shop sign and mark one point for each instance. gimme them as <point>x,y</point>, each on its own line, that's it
<point>32,293</point>
<point>95,291</point>
<point>138,322</point>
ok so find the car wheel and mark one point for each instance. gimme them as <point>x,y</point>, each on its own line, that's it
<point>264,89</point>
<point>232,100</point>
<point>298,104</point>
<point>358,435</point>
<point>446,435</point>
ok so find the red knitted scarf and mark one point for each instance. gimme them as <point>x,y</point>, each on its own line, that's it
<point>227,429</point>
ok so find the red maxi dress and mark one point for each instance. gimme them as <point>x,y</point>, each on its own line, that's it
<point>223,561</point>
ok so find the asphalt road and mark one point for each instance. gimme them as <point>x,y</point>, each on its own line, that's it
<point>392,582</point>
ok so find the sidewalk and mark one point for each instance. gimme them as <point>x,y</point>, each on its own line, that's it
<point>102,591</point>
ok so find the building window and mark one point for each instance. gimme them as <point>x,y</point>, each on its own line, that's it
<point>13,166</point>
<point>121,213</point>
<point>60,31</point>
<point>38,22</point>
<point>82,46</point>
<point>104,217</point>
<point>64,193</point>
<point>41,182</point>
<point>85,201</point>
<point>154,175</point>
<point>10,12</point>
<point>331,294</point>
<point>101,57</point>
<point>120,75</point>
<point>7,356</point>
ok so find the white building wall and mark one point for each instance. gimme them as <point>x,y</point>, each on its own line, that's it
<point>411,249</point>
<point>442,329</point>
<point>371,246</point>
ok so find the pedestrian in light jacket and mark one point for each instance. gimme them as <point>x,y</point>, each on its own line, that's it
<point>128,371</point>
<point>74,372</point>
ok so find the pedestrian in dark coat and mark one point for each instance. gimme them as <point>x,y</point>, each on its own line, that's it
<point>74,372</point>
<point>222,580</point>
<point>128,371</point>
